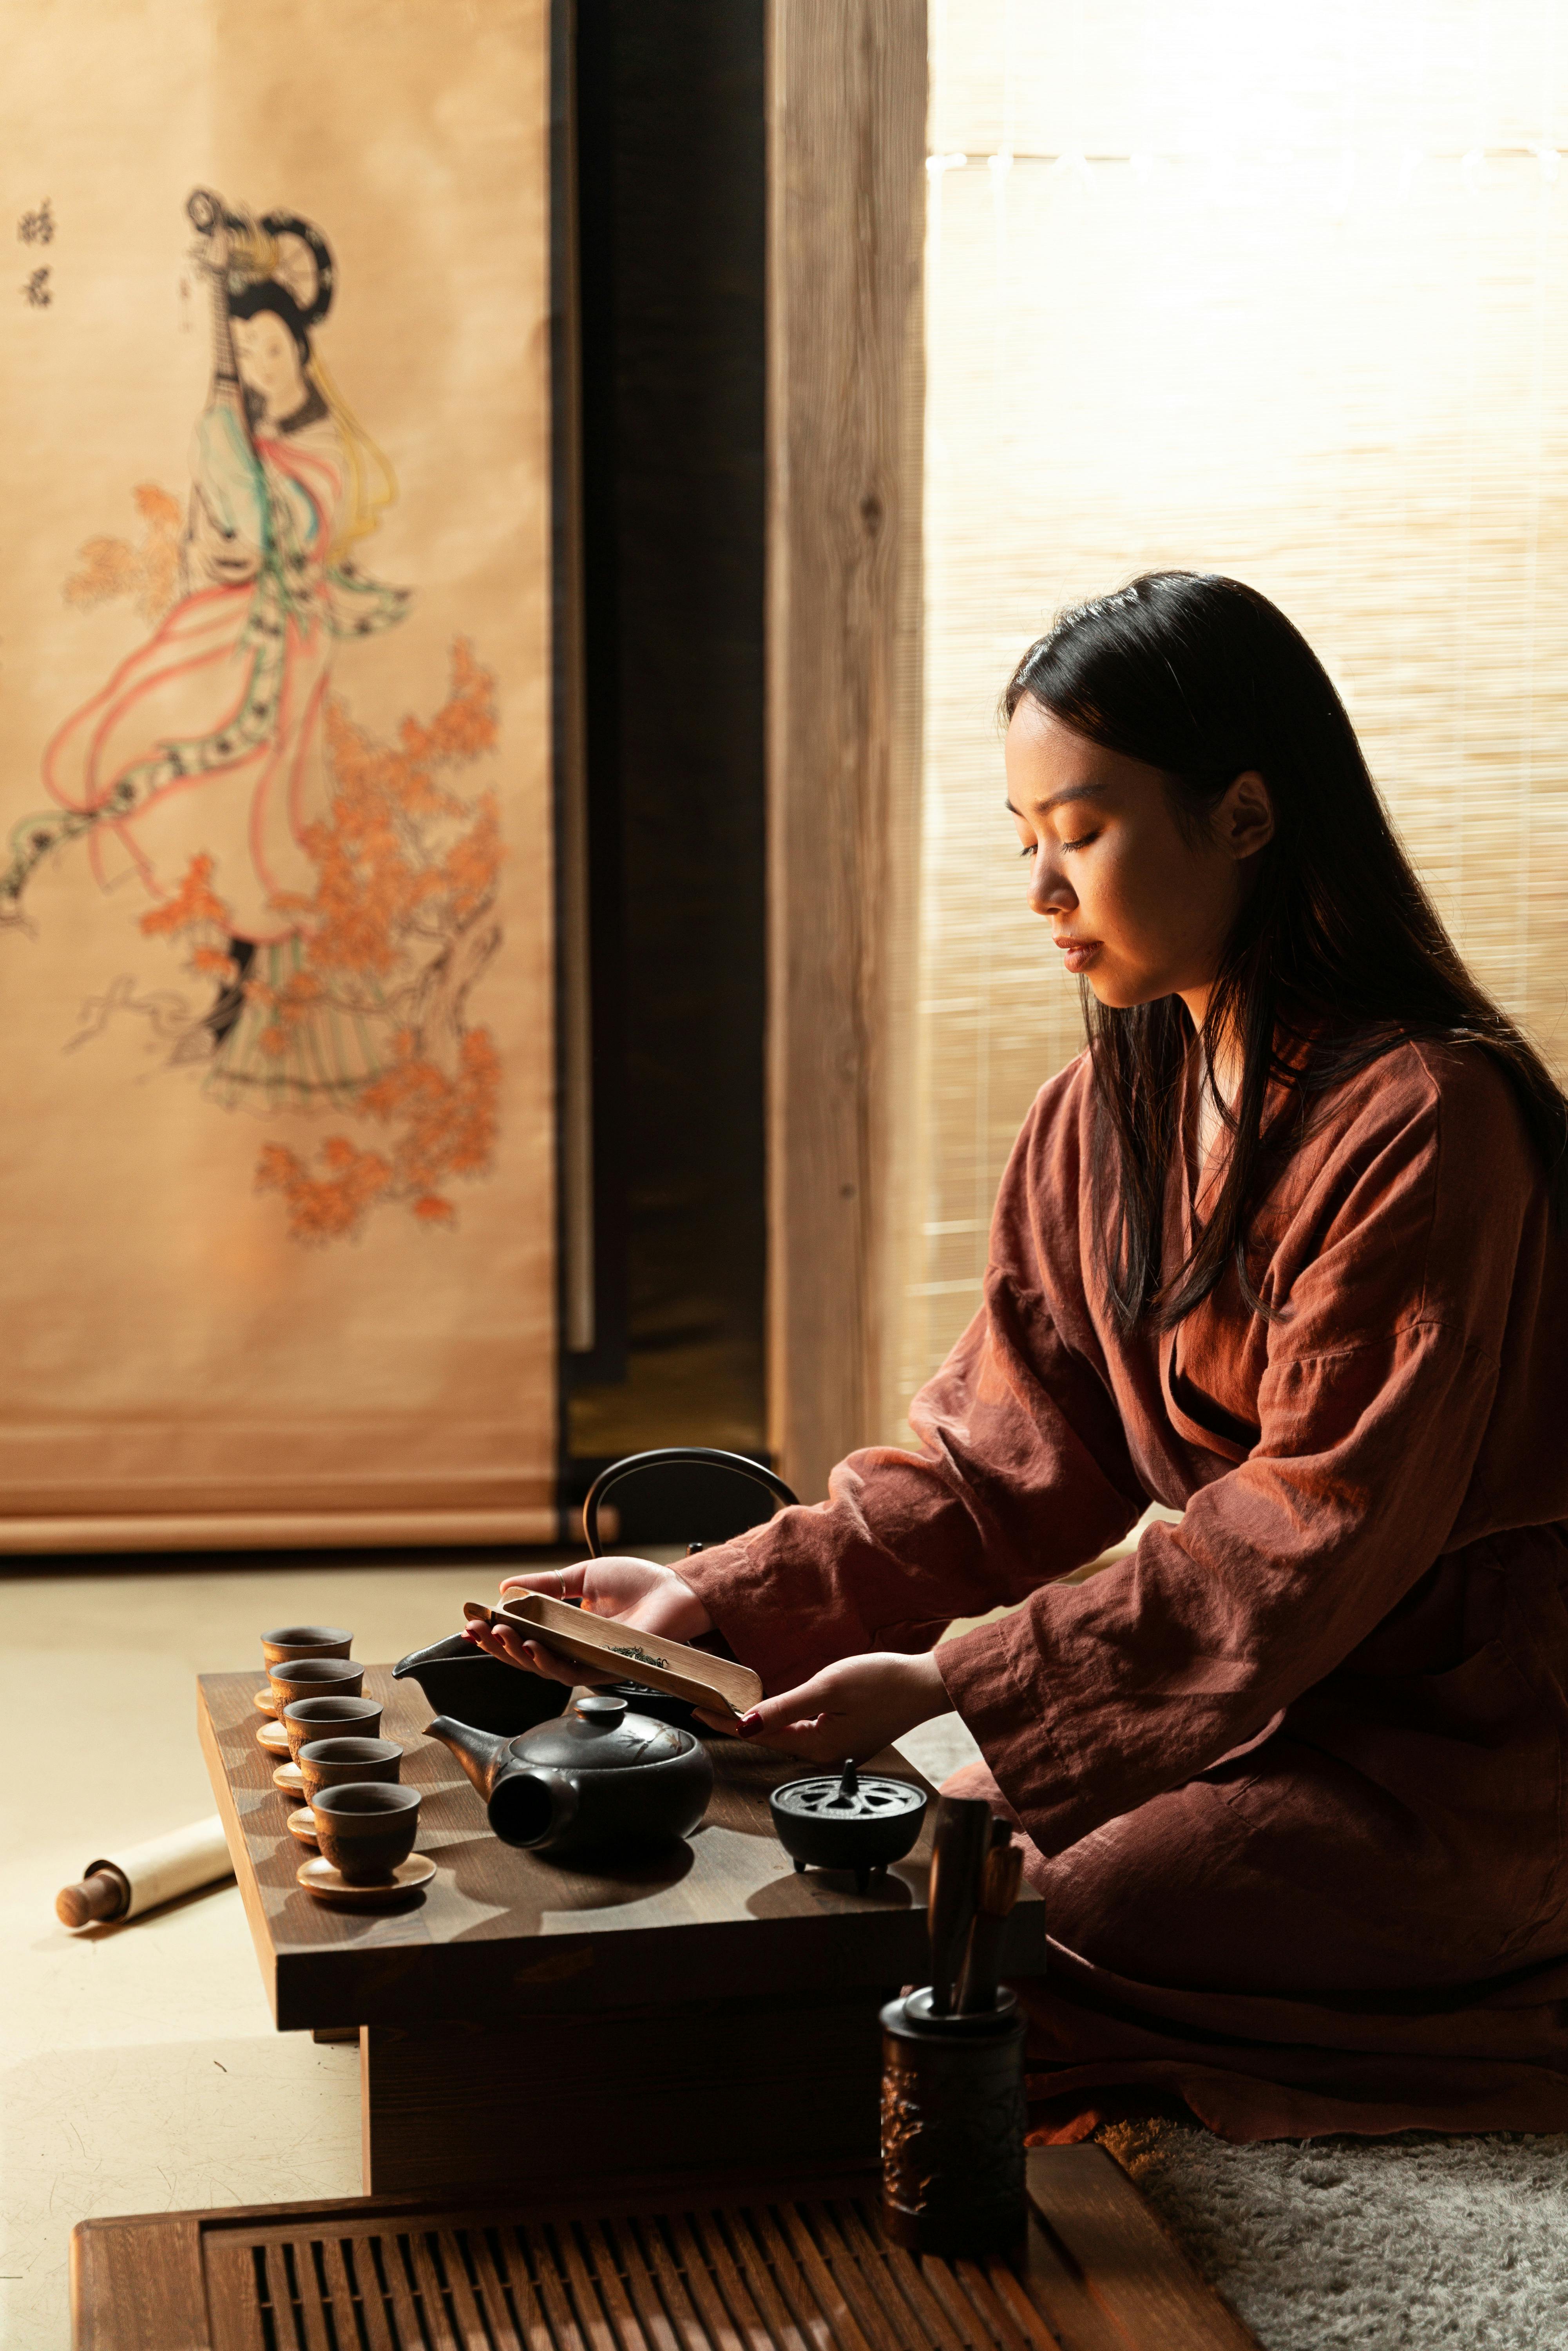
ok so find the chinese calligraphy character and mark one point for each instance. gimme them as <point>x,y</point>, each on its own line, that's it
<point>37,228</point>
<point>37,290</point>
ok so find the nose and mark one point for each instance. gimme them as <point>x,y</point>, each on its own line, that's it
<point>1049,891</point>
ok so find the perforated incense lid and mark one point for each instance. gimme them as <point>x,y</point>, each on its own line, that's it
<point>847,1796</point>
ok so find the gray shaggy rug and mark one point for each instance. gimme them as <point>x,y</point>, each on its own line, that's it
<point>1413,2243</point>
<point>1402,2244</point>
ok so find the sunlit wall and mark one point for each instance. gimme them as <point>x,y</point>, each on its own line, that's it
<point>1272,291</point>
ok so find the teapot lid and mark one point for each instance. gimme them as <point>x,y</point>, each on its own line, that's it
<point>600,1733</point>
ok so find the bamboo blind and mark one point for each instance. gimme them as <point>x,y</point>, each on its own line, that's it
<point>1270,292</point>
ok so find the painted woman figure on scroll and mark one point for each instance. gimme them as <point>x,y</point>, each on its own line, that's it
<point>1285,1250</point>
<point>208,742</point>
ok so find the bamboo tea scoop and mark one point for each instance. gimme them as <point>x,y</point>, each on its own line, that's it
<point>716,1684</point>
<point>958,1858</point>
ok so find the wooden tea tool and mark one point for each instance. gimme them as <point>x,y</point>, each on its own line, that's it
<point>716,1684</point>
<point>958,1859</point>
<point>1000,1885</point>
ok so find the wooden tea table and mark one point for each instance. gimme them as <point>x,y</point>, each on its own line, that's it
<point>527,2020</point>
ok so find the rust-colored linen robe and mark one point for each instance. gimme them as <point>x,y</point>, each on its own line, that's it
<point>1291,1774</point>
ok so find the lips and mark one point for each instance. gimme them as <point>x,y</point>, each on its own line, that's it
<point>1078,953</point>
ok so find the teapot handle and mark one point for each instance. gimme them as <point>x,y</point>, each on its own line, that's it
<point>700,1455</point>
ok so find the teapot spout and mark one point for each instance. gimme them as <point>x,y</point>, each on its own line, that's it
<point>533,1808</point>
<point>481,1753</point>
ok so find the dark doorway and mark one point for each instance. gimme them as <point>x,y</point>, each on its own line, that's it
<point>669,176</point>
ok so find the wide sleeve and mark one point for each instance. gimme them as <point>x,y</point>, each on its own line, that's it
<point>1373,1407</point>
<point>358,607</point>
<point>1022,1472</point>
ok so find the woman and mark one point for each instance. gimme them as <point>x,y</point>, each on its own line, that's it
<point>1282,1251</point>
<point>209,742</point>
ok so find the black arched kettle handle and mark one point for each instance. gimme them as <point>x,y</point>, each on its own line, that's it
<point>698,1455</point>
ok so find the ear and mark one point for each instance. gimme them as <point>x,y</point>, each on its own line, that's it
<point>1244,821</point>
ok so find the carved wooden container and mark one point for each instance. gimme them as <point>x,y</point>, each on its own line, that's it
<point>953,2124</point>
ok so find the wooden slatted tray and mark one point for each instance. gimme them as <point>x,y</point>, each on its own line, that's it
<point>693,2265</point>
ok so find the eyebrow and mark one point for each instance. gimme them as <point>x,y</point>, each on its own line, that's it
<point>1071,792</point>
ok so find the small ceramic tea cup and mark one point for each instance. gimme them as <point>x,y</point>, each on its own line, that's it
<point>335,1763</point>
<point>287,1642</point>
<point>313,1678</point>
<point>332,1715</point>
<point>365,1828</point>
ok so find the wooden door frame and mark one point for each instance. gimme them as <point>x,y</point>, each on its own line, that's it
<point>846,191</point>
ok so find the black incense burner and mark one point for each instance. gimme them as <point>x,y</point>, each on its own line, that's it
<point>848,1820</point>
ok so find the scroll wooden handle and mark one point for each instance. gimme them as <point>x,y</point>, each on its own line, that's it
<point>104,1894</point>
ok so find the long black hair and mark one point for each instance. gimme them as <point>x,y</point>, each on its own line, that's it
<point>1337,954</point>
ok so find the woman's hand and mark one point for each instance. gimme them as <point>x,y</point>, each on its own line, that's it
<point>637,1593</point>
<point>856,1708</point>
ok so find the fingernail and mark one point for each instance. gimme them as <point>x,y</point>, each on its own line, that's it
<point>749,1724</point>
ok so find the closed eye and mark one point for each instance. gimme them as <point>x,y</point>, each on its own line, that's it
<point>1032,848</point>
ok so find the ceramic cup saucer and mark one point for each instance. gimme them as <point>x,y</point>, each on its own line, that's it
<point>274,1738</point>
<point>265,1703</point>
<point>320,1878</point>
<point>289,1780</point>
<point>302,1824</point>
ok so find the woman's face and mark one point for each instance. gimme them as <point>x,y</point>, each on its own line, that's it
<point>268,362</point>
<point>1135,907</point>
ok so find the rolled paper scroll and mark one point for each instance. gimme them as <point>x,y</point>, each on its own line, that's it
<point>139,1876</point>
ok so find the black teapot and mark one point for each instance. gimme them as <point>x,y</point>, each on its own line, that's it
<point>466,1683</point>
<point>730,1466</point>
<point>704,1458</point>
<point>601,1777</point>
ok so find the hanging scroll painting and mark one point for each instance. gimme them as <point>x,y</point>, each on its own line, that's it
<point>274,897</point>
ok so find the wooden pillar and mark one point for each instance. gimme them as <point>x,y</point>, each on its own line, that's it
<point>846,111</point>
